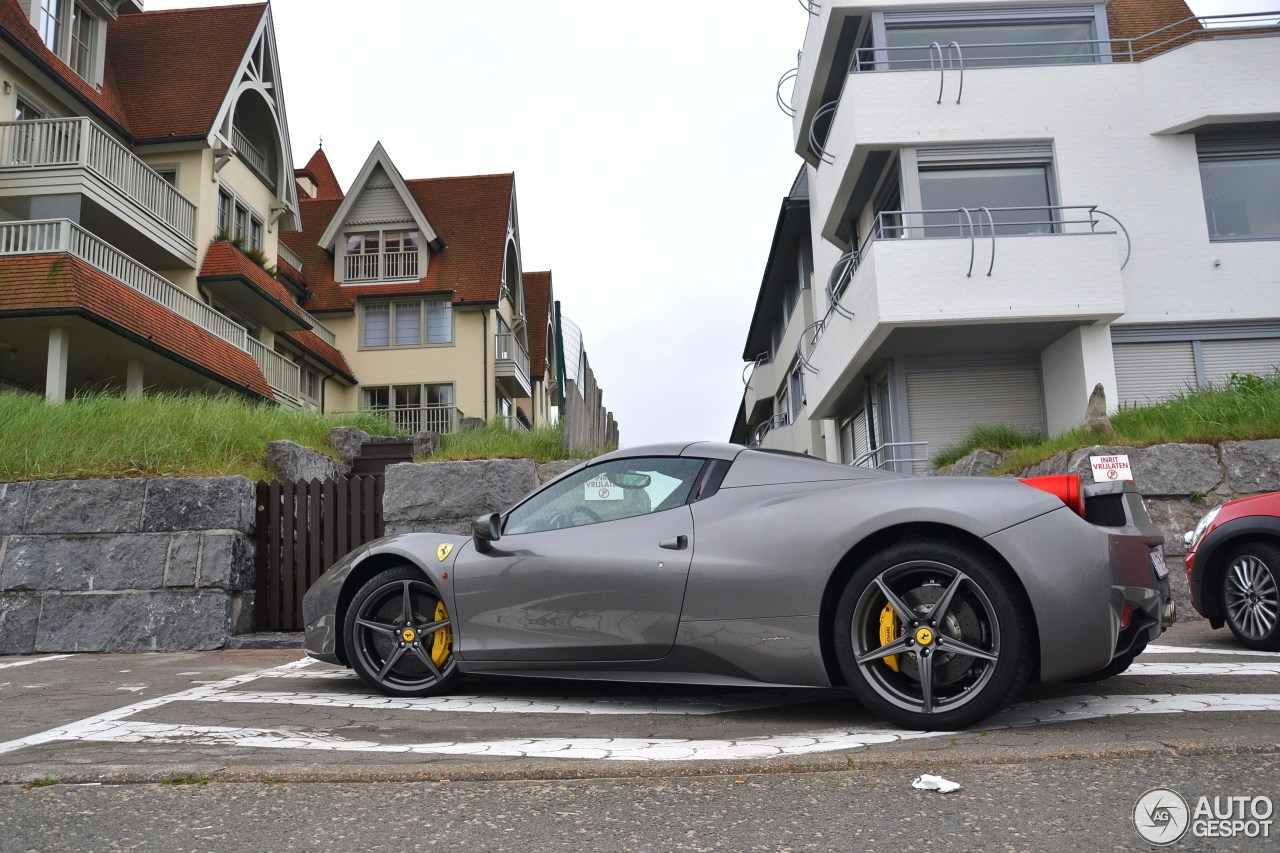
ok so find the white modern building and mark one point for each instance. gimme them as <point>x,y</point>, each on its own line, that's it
<point>1011,201</point>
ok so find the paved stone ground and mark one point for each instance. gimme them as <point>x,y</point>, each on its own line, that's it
<point>275,715</point>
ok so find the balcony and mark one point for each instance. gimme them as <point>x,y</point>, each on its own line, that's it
<point>922,272</point>
<point>65,237</point>
<point>75,156</point>
<point>253,157</point>
<point>511,365</point>
<point>413,419</point>
<point>376,266</point>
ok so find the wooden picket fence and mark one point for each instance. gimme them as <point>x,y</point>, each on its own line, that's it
<point>304,527</point>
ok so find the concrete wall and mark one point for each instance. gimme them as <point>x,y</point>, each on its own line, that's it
<point>125,565</point>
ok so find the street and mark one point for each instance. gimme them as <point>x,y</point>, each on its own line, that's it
<point>268,750</point>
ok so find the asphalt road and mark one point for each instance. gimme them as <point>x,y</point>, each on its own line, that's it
<point>224,750</point>
<point>1083,804</point>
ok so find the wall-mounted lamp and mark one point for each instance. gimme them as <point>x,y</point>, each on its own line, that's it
<point>8,87</point>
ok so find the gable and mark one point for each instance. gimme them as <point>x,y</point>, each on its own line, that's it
<point>378,202</point>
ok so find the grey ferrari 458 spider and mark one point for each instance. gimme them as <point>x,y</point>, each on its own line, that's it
<point>934,600</point>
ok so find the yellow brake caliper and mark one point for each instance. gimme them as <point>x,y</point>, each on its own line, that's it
<point>889,629</point>
<point>442,639</point>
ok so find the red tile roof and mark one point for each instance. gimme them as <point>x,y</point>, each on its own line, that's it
<point>58,284</point>
<point>470,215</point>
<point>537,294</point>
<point>224,260</point>
<point>320,350</point>
<point>321,172</point>
<point>1131,19</point>
<point>166,73</point>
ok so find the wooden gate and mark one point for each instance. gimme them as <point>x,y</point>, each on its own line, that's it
<point>304,527</point>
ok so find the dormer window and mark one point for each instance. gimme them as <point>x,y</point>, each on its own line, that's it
<point>374,255</point>
<point>75,34</point>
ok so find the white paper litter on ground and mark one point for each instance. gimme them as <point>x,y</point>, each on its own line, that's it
<point>925,782</point>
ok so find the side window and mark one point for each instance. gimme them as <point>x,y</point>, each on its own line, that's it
<point>619,488</point>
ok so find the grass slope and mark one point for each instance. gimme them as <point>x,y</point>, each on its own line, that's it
<point>1246,407</point>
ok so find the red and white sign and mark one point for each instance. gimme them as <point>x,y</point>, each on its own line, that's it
<point>1110,469</point>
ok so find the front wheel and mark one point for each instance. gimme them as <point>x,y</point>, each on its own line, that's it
<point>399,635</point>
<point>1251,597</point>
<point>931,635</point>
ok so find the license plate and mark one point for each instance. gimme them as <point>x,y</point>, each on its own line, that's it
<point>1158,563</point>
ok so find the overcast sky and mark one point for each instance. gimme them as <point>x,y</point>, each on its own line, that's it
<point>649,153</point>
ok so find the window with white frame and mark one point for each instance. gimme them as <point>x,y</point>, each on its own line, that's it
<point>1240,179</point>
<point>415,407</point>
<point>406,323</point>
<point>27,109</point>
<point>381,254</point>
<point>238,222</point>
<point>74,33</point>
<point>1015,183</point>
<point>988,38</point>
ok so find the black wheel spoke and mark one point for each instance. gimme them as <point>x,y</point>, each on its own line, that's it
<point>428,628</point>
<point>406,603</point>
<point>940,608</point>
<point>960,647</point>
<point>395,655</point>
<point>421,652</point>
<point>898,646</point>
<point>926,681</point>
<point>389,630</point>
<point>905,612</point>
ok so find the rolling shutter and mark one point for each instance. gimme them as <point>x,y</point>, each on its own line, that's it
<point>1260,357</point>
<point>1147,372</point>
<point>944,405</point>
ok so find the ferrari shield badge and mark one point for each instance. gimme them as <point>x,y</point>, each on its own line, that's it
<point>443,551</point>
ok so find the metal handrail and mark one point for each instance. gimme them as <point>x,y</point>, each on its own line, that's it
<point>828,108</point>
<point>895,460</point>
<point>960,56</point>
<point>762,358</point>
<point>763,428</point>
<point>879,58</point>
<point>811,7</point>
<point>819,326</point>
<point>785,105</point>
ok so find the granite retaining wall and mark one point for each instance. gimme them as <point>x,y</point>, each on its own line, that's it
<point>125,565</point>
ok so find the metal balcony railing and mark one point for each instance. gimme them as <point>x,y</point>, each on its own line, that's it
<point>513,423</point>
<point>64,236</point>
<point>1022,54</point>
<point>507,348</point>
<point>440,419</point>
<point>901,456</point>
<point>762,429</point>
<point>78,142</point>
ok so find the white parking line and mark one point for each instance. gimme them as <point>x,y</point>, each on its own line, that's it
<point>455,704</point>
<point>33,660</point>
<point>1043,712</point>
<point>1158,649</point>
<point>72,731</point>
<point>1180,668</point>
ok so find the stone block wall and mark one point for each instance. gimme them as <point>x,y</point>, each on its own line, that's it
<point>1179,484</point>
<point>444,497</point>
<point>125,565</point>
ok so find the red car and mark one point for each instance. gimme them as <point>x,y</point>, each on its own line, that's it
<point>1233,568</point>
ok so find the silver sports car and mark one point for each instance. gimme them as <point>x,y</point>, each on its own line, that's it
<point>934,600</point>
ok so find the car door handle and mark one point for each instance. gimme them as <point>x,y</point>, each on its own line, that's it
<point>675,543</point>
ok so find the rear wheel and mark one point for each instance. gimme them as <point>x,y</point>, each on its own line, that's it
<point>400,636</point>
<point>931,635</point>
<point>1251,596</point>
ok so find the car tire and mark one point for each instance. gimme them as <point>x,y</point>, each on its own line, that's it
<point>960,627</point>
<point>1251,594</point>
<point>399,635</point>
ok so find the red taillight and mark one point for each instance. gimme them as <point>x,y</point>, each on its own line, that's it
<point>1064,487</point>
<point>1125,615</point>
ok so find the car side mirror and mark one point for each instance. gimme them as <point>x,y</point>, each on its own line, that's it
<point>486,530</point>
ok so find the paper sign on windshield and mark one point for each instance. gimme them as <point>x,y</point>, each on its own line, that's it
<point>600,488</point>
<point>1110,469</point>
